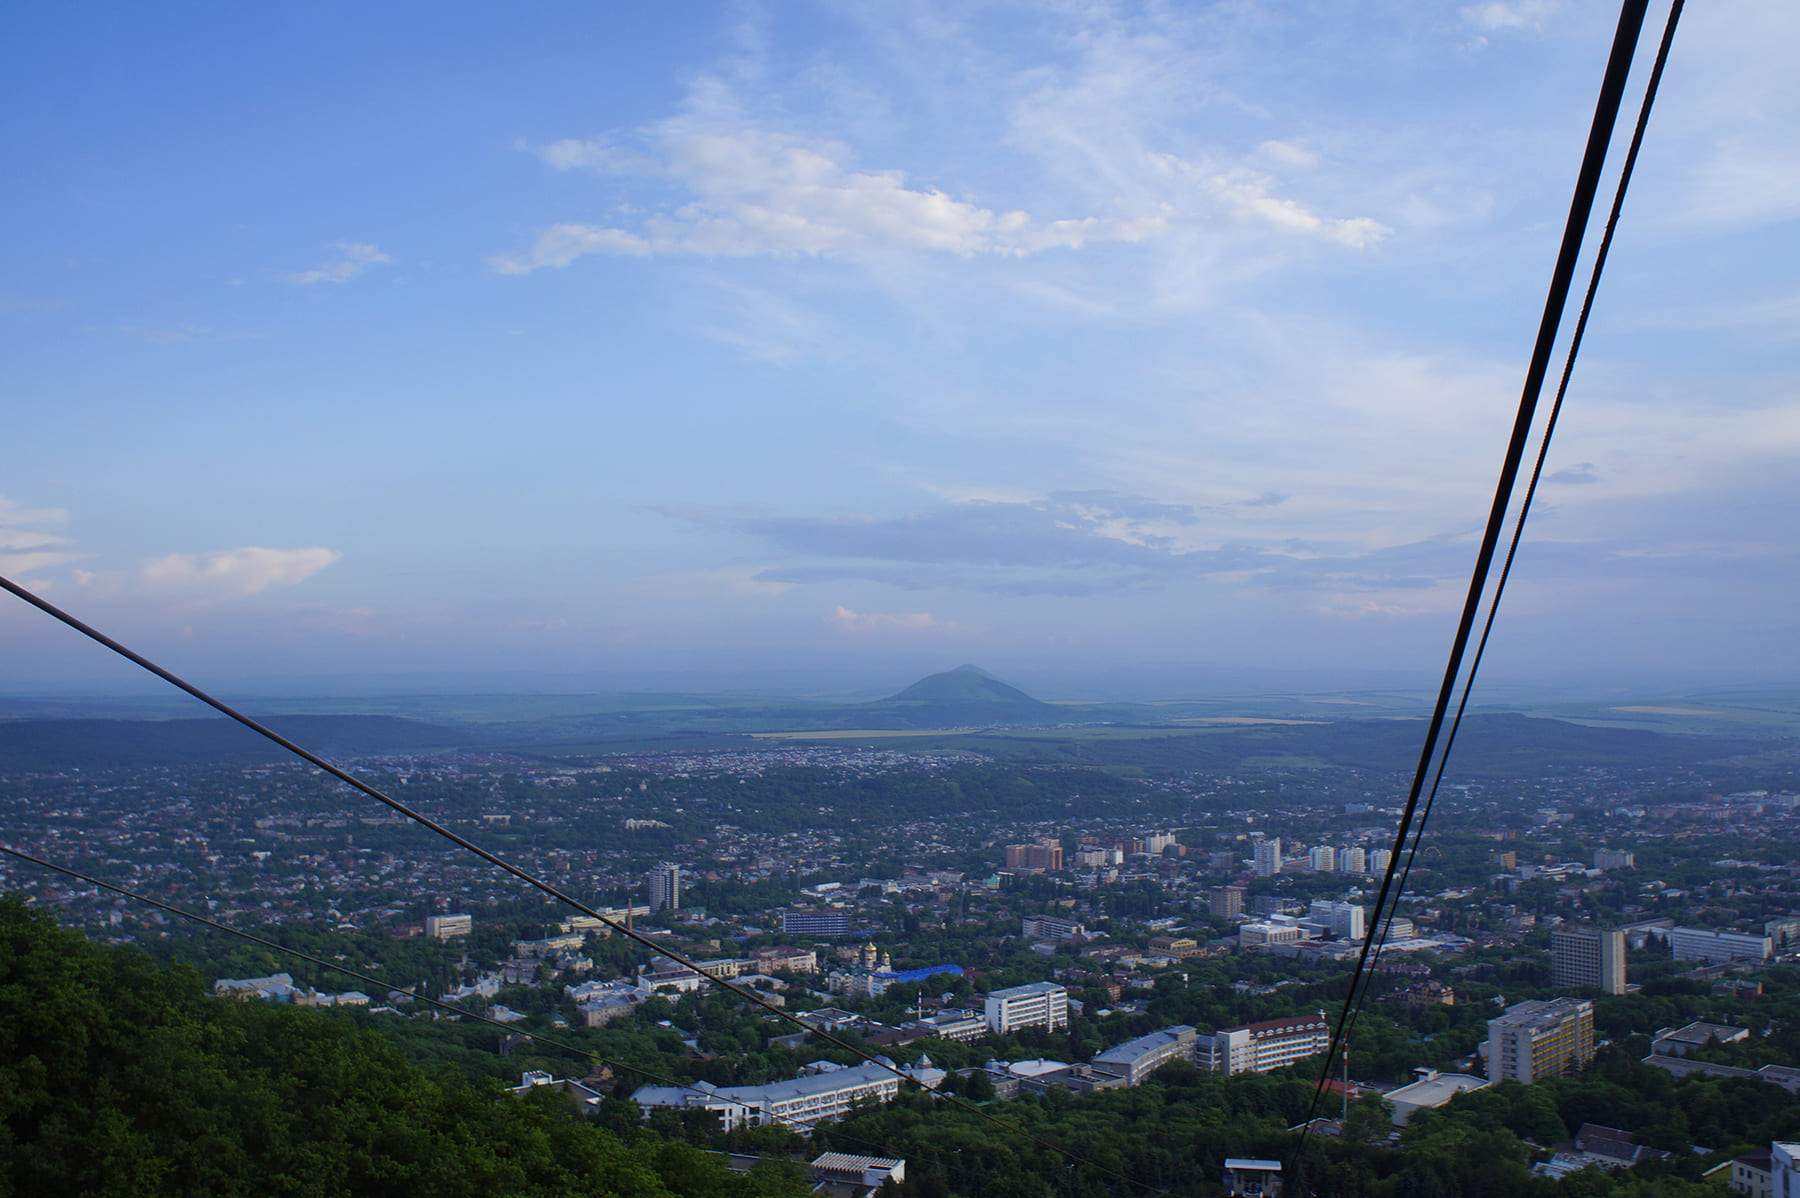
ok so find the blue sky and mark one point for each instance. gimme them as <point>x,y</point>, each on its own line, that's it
<point>881,337</point>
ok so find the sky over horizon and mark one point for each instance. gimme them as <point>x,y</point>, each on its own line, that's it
<point>1061,338</point>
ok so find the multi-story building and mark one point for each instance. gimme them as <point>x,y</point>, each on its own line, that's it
<point>1346,921</point>
<point>1268,857</point>
<point>785,956</point>
<point>1035,1004</point>
<point>1323,859</point>
<point>1592,957</point>
<point>830,921</point>
<point>1543,1038</point>
<point>1352,861</point>
<point>1718,948</point>
<point>1137,1059</point>
<point>1260,1047</point>
<point>665,888</point>
<point>1045,854</point>
<point>1379,860</point>
<point>447,927</point>
<point>958,1025</point>
<point>1784,933</point>
<point>800,1103</point>
<point>1614,859</point>
<point>1156,842</point>
<point>1252,935</point>
<point>1226,901</point>
<point>1175,946</point>
<point>1047,927</point>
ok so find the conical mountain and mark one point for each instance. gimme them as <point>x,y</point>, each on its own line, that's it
<point>966,695</point>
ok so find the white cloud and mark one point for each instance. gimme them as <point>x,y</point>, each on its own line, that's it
<point>23,548</point>
<point>352,259</point>
<point>856,622</point>
<point>235,572</point>
<point>749,192</point>
<point>1520,14</point>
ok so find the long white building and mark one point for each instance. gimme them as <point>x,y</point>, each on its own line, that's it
<point>1717,948</point>
<point>799,1103</point>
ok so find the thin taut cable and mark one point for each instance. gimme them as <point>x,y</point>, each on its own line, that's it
<point>1606,111</point>
<point>526,876</point>
<point>1587,305</point>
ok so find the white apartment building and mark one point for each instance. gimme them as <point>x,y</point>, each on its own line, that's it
<point>1268,857</point>
<point>1352,861</point>
<point>1035,1004</point>
<point>1323,859</point>
<point>665,888</point>
<point>1717,948</point>
<point>1379,860</point>
<point>446,927</point>
<point>1260,1047</point>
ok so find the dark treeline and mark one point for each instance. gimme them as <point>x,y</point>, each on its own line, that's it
<point>122,1077</point>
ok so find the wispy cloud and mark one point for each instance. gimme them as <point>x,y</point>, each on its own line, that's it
<point>750,192</point>
<point>352,259</point>
<point>862,623</point>
<point>24,547</point>
<point>234,573</point>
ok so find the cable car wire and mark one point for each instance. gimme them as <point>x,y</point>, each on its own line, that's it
<point>1606,111</point>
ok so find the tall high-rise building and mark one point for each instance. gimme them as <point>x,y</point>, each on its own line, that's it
<point>1268,857</point>
<point>1544,1038</point>
<point>1323,859</point>
<point>1352,861</point>
<point>665,888</point>
<point>1379,860</point>
<point>1045,854</point>
<point>1593,957</point>
<point>1226,901</point>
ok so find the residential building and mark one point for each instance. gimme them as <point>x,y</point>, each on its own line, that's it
<point>1137,1059</point>
<point>1267,857</point>
<point>1323,859</point>
<point>1784,1169</point>
<point>1047,927</point>
<point>1543,1038</point>
<point>1260,1047</point>
<point>1045,854</point>
<point>1720,947</point>
<point>1379,860</point>
<point>665,888</point>
<point>448,927</point>
<point>1035,1004</point>
<point>830,921</point>
<point>1614,859</point>
<point>1751,1175</point>
<point>1352,861</point>
<point>1227,901</point>
<point>1156,842</point>
<point>1591,957</point>
<point>1784,932</point>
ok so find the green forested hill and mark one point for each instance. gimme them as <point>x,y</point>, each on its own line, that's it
<point>121,1077</point>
